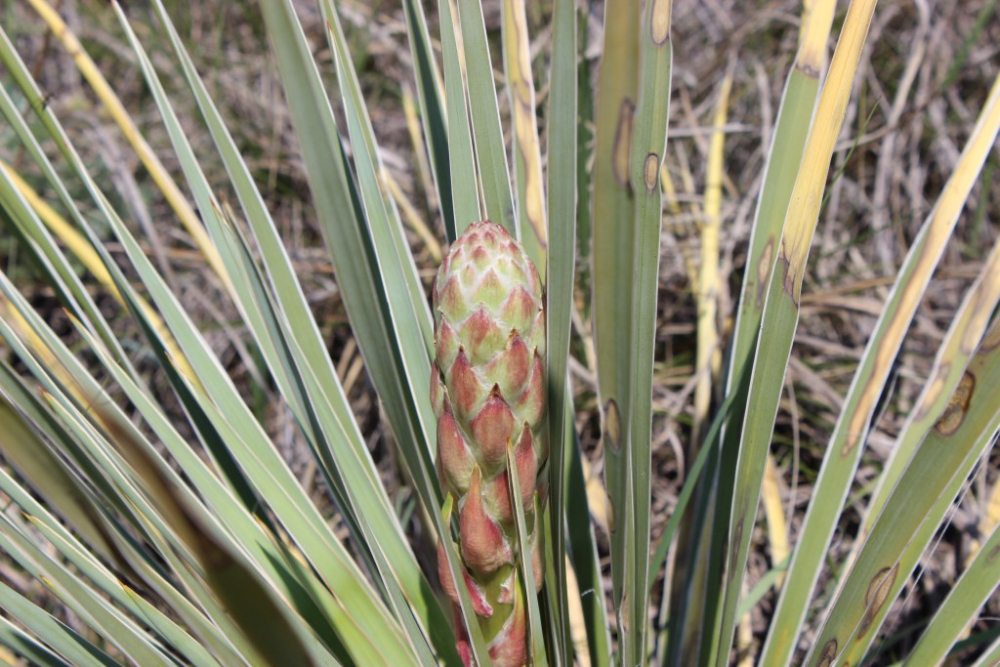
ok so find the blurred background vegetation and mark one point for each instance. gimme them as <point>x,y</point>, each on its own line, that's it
<point>923,76</point>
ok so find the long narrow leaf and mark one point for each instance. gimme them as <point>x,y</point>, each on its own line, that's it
<point>530,188</point>
<point>687,599</point>
<point>21,643</point>
<point>433,114</point>
<point>559,290</point>
<point>536,639</point>
<point>157,171</point>
<point>847,441</point>
<point>365,290</point>
<point>118,590</point>
<point>491,156</point>
<point>73,647</point>
<point>781,309</point>
<point>350,471</point>
<point>649,139</point>
<point>583,547</point>
<point>614,209</point>
<point>990,656</point>
<point>912,515</point>
<point>970,592</point>
<point>23,449</point>
<point>464,175</point>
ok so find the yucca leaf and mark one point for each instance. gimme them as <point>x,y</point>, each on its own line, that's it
<point>123,286</point>
<point>21,643</point>
<point>491,155</point>
<point>111,624</point>
<point>108,475</point>
<point>798,103</point>
<point>464,175</point>
<point>306,594</point>
<point>969,322</point>
<point>352,242</point>
<point>56,132</point>
<point>219,381</point>
<point>116,588</point>
<point>334,434</point>
<point>378,308</point>
<point>177,515</point>
<point>171,634</point>
<point>688,600</point>
<point>847,441</point>
<point>116,110</point>
<point>967,328</point>
<point>649,138</point>
<point>536,637</point>
<point>781,309</point>
<point>74,648</point>
<point>24,450</point>
<point>383,221</point>
<point>990,656</point>
<point>966,598</point>
<point>32,409</point>
<point>583,548</point>
<point>50,258</point>
<point>433,115</point>
<point>231,418</point>
<point>74,241</point>
<point>264,316</point>
<point>529,184</point>
<point>263,619</point>
<point>370,532</point>
<point>690,483</point>
<point>377,524</point>
<point>614,209</point>
<point>559,292</point>
<point>922,497</point>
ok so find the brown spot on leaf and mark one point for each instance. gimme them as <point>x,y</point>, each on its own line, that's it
<point>612,426</point>
<point>808,70</point>
<point>660,25</point>
<point>876,596</point>
<point>622,152</point>
<point>829,653</point>
<point>992,338</point>
<point>788,279</point>
<point>650,171</point>
<point>853,438</point>
<point>624,613</point>
<point>953,415</point>
<point>763,269</point>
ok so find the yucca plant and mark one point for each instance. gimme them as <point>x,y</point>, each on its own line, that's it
<point>150,519</point>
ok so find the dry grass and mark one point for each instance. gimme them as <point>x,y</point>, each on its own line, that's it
<point>924,75</point>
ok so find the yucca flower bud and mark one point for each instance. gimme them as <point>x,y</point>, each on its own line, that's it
<point>488,392</point>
